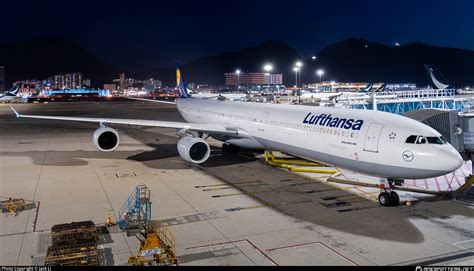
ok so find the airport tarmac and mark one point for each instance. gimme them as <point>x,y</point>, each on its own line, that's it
<point>231,210</point>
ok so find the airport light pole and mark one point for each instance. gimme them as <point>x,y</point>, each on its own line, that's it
<point>298,65</point>
<point>320,73</point>
<point>296,69</point>
<point>238,78</point>
<point>268,68</point>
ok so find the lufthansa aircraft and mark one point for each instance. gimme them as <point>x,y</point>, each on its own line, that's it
<point>371,142</point>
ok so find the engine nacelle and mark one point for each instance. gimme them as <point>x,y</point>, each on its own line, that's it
<point>106,139</point>
<point>193,149</point>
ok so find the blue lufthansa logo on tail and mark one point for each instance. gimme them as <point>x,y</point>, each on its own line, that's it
<point>329,121</point>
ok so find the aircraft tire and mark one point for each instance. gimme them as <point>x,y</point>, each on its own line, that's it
<point>395,199</point>
<point>384,199</point>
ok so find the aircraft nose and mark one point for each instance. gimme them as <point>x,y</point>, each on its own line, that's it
<point>449,160</point>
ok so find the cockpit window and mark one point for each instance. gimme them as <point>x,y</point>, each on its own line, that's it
<point>414,139</point>
<point>411,139</point>
<point>436,140</point>
<point>421,140</point>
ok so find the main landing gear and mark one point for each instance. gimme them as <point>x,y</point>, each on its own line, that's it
<point>388,197</point>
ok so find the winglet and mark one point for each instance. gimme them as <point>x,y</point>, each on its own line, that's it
<point>16,113</point>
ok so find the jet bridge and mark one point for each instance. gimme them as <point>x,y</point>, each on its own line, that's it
<point>458,129</point>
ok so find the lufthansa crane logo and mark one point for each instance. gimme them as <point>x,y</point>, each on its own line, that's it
<point>407,156</point>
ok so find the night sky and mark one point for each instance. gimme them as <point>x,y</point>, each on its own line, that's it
<point>137,33</point>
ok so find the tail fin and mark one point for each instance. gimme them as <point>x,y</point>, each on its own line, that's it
<point>13,91</point>
<point>180,83</point>
<point>381,88</point>
<point>437,78</point>
<point>367,88</point>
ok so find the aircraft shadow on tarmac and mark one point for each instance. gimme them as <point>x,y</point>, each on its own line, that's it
<point>288,193</point>
<point>163,156</point>
<point>166,151</point>
<point>327,206</point>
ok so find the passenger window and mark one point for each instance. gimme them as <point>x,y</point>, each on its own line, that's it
<point>411,139</point>
<point>421,140</point>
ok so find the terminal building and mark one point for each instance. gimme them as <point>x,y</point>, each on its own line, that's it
<point>65,81</point>
<point>339,86</point>
<point>253,78</point>
<point>76,92</point>
<point>357,86</point>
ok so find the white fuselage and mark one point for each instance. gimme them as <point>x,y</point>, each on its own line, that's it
<point>371,142</point>
<point>7,98</point>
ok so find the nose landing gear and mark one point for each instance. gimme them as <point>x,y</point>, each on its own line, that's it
<point>388,197</point>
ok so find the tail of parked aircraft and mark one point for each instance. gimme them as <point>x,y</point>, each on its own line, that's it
<point>437,78</point>
<point>13,91</point>
<point>180,83</point>
<point>367,88</point>
<point>381,88</point>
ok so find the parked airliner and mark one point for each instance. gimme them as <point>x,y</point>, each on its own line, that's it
<point>10,95</point>
<point>320,96</point>
<point>332,96</point>
<point>371,142</point>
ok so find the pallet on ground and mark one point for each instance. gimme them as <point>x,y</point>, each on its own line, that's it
<point>73,244</point>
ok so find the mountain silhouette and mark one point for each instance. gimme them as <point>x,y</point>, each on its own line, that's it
<point>364,61</point>
<point>211,69</point>
<point>351,60</point>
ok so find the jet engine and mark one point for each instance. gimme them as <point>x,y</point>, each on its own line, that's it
<point>193,149</point>
<point>106,139</point>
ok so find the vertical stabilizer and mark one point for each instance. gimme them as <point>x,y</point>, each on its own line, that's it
<point>180,83</point>
<point>367,88</point>
<point>381,88</point>
<point>437,78</point>
<point>13,91</point>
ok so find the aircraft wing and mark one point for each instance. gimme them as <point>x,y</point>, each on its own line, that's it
<point>150,100</point>
<point>208,128</point>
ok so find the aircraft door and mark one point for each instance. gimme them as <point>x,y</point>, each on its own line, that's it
<point>372,137</point>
